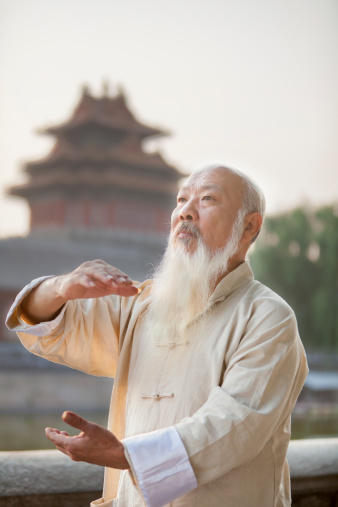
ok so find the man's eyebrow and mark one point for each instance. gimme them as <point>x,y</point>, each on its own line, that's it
<point>213,187</point>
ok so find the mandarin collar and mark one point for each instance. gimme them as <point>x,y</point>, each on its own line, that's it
<point>242,274</point>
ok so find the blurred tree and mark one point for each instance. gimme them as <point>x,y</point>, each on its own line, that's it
<point>296,256</point>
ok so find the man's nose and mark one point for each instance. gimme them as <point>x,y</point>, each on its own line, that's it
<point>188,212</point>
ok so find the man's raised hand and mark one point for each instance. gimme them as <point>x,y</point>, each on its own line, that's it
<point>93,279</point>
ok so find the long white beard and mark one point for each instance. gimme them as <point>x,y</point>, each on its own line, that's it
<point>183,284</point>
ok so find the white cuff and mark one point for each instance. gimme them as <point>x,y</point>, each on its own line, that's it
<point>160,465</point>
<point>14,321</point>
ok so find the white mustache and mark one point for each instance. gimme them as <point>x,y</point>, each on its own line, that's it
<point>188,227</point>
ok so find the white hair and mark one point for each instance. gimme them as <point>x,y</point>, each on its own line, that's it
<point>253,200</point>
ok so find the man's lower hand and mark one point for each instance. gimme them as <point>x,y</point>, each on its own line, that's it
<point>94,444</point>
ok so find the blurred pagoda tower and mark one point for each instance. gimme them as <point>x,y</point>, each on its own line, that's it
<point>97,195</point>
<point>98,177</point>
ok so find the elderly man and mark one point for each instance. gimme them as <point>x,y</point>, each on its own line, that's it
<point>207,361</point>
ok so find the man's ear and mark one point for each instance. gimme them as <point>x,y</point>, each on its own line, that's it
<point>252,226</point>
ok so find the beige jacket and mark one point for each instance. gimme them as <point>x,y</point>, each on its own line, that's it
<point>229,392</point>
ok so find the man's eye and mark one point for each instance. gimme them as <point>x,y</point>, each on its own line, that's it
<point>181,199</point>
<point>207,198</point>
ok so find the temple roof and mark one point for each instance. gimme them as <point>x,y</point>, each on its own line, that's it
<point>109,112</point>
<point>128,152</point>
<point>99,148</point>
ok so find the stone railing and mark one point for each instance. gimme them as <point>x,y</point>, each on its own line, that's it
<point>48,478</point>
<point>314,472</point>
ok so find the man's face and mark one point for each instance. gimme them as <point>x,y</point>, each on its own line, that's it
<point>209,201</point>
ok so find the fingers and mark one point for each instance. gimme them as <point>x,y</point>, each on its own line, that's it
<point>62,441</point>
<point>101,271</point>
<point>73,446</point>
<point>57,437</point>
<point>88,429</point>
<point>73,420</point>
<point>55,430</point>
<point>76,421</point>
<point>100,276</point>
<point>127,291</point>
<point>95,279</point>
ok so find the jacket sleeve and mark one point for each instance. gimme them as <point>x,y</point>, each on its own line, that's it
<point>84,336</point>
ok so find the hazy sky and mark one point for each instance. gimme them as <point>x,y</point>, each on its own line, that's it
<point>250,83</point>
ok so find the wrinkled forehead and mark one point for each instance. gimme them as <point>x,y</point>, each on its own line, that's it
<point>220,178</point>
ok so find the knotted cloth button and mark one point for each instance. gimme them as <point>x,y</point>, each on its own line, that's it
<point>157,396</point>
